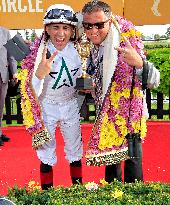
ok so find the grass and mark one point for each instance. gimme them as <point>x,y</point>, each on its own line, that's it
<point>14,123</point>
<point>165,117</point>
<point>13,112</point>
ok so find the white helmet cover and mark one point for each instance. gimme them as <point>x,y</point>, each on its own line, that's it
<point>60,13</point>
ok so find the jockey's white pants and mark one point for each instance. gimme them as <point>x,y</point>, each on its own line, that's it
<point>67,116</point>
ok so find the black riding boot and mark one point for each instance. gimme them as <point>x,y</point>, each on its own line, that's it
<point>46,176</point>
<point>133,167</point>
<point>76,172</point>
<point>112,172</point>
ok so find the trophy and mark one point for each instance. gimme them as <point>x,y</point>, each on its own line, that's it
<point>85,81</point>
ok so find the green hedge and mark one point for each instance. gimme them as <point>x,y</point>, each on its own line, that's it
<point>154,45</point>
<point>161,59</point>
<point>114,193</point>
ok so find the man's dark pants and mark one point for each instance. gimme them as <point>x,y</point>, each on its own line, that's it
<point>132,170</point>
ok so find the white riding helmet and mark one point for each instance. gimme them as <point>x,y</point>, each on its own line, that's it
<point>60,13</point>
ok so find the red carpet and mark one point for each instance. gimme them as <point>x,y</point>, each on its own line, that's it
<point>19,164</point>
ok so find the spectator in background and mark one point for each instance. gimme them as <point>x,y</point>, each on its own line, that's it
<point>6,62</point>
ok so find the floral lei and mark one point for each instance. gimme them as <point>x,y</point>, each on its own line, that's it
<point>108,144</point>
<point>29,101</point>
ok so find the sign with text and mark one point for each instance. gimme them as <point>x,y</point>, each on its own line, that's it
<point>147,12</point>
<point>23,14</point>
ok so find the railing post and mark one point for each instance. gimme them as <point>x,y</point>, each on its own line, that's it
<point>148,101</point>
<point>169,103</point>
<point>19,112</point>
<point>84,111</point>
<point>160,105</point>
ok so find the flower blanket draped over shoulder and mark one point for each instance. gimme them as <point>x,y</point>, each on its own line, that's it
<point>120,114</point>
<point>29,101</point>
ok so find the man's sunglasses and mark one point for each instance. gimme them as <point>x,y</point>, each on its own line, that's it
<point>57,13</point>
<point>98,25</point>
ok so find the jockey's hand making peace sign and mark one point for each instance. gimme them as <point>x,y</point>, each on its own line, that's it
<point>130,55</point>
<point>44,68</point>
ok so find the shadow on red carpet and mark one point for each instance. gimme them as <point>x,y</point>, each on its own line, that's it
<point>19,163</point>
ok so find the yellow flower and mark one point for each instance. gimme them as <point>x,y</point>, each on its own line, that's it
<point>103,182</point>
<point>155,186</point>
<point>140,126</point>
<point>108,135</point>
<point>121,122</point>
<point>114,96</point>
<point>130,33</point>
<point>114,85</point>
<point>117,194</point>
<point>137,92</point>
<point>124,131</point>
<point>24,73</point>
<point>24,95</point>
<point>28,105</point>
<point>137,126</point>
<point>23,87</point>
<point>28,118</point>
<point>18,76</point>
<point>143,127</point>
<point>105,134</point>
<point>32,185</point>
<point>125,93</point>
<point>138,33</point>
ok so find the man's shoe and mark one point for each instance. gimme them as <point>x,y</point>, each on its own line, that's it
<point>5,138</point>
<point>1,142</point>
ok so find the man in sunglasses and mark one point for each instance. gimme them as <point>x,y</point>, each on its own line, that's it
<point>56,68</point>
<point>116,65</point>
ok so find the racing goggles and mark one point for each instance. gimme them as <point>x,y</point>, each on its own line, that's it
<point>58,13</point>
